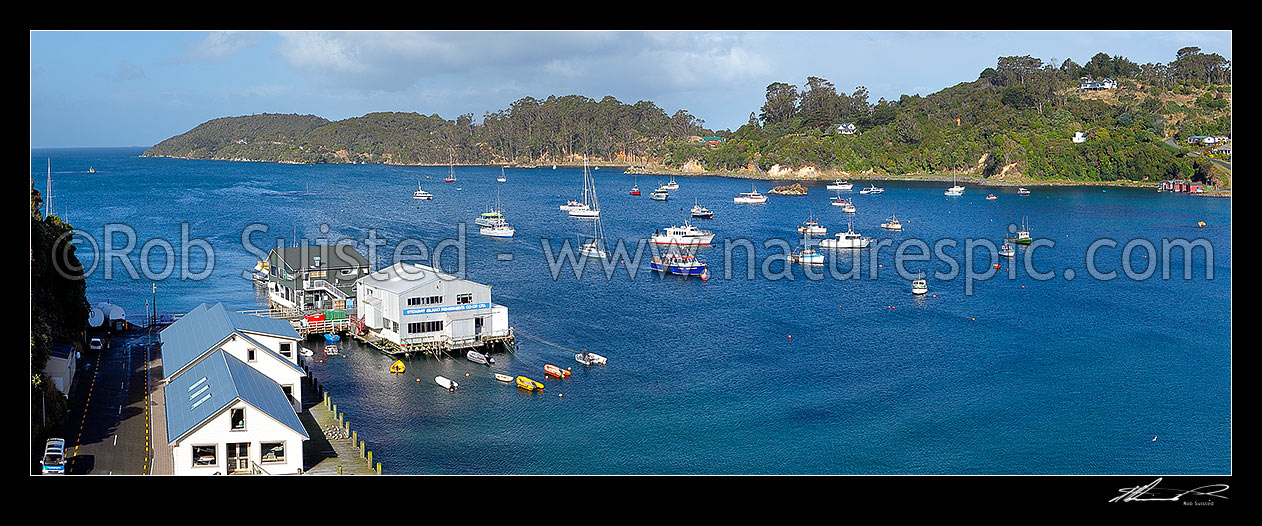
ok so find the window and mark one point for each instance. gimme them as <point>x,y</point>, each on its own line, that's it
<point>205,456</point>
<point>428,300</point>
<point>425,326</point>
<point>249,355</point>
<point>272,451</point>
<point>461,299</point>
<point>289,392</point>
<point>286,350</point>
<point>238,419</point>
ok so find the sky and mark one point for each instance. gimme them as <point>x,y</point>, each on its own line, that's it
<point>138,88</point>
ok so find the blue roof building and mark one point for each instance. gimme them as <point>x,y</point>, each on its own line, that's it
<point>205,329</point>
<point>225,416</point>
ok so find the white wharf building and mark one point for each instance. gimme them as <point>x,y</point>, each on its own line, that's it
<point>416,308</point>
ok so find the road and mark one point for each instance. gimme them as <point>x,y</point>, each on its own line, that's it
<point>1219,162</point>
<point>107,430</point>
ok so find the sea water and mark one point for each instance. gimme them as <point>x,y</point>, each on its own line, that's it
<point>765,375</point>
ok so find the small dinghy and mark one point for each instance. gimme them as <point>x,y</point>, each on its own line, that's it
<point>503,377</point>
<point>332,338</point>
<point>554,371</point>
<point>589,358</point>
<point>307,352</point>
<point>528,384</point>
<point>446,383</point>
<point>477,357</point>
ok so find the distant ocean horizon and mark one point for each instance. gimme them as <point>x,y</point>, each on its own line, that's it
<point>768,375</point>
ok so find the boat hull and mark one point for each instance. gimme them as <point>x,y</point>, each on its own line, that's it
<point>683,270</point>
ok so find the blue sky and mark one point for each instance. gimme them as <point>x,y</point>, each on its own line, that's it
<point>125,88</point>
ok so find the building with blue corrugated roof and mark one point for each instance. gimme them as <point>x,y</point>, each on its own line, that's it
<point>224,416</point>
<point>269,345</point>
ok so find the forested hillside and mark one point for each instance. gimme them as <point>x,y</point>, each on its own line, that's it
<point>1015,121</point>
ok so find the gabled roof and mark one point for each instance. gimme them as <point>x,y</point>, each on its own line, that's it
<point>204,328</point>
<point>402,277</point>
<point>331,257</point>
<point>274,354</point>
<point>211,385</point>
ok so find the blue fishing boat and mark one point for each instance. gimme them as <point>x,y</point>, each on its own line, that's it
<point>682,264</point>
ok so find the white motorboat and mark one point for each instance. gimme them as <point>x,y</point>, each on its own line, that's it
<point>812,227</point>
<point>659,195</point>
<point>700,211</point>
<point>847,239</point>
<point>919,285</point>
<point>807,256</point>
<point>499,228</point>
<point>843,186</point>
<point>872,190</point>
<point>683,235</point>
<point>1023,191</point>
<point>846,205</point>
<point>751,197</point>
<point>1007,251</point>
<point>892,224</point>
<point>421,195</point>
<point>490,217</point>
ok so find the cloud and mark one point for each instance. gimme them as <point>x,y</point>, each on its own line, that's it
<point>218,45</point>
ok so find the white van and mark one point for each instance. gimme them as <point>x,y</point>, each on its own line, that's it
<point>54,462</point>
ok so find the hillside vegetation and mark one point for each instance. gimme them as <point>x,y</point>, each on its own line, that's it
<point>1013,123</point>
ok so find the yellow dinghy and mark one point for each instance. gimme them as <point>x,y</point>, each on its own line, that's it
<point>528,384</point>
<point>397,367</point>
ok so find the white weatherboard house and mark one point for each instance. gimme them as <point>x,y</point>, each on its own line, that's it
<point>266,344</point>
<point>232,388</point>
<point>411,304</point>
<point>224,417</point>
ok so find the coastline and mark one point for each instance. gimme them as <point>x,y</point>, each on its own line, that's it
<point>822,177</point>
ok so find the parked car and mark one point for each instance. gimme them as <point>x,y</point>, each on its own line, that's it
<point>95,344</point>
<point>54,461</point>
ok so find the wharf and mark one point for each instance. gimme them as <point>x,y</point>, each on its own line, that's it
<point>331,449</point>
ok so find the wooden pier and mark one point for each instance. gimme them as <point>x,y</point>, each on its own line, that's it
<point>439,345</point>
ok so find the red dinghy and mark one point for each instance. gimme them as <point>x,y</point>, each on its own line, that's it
<point>552,370</point>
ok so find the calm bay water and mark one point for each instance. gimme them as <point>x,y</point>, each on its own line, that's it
<point>739,376</point>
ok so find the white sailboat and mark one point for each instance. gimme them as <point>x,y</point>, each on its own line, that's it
<point>955,190</point>
<point>501,178</point>
<point>588,207</point>
<point>671,186</point>
<point>596,247</point>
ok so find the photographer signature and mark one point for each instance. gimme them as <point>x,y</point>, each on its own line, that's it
<point>1152,492</point>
